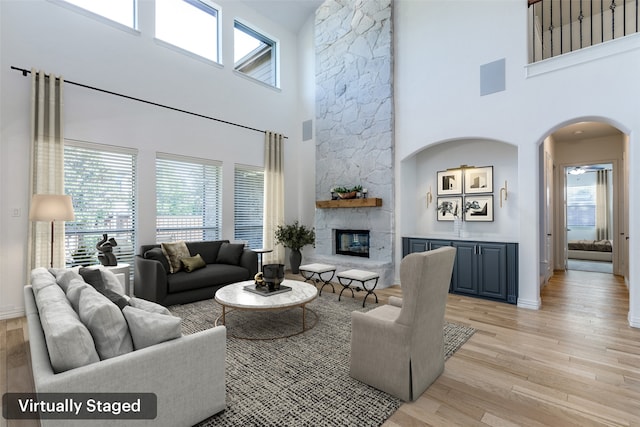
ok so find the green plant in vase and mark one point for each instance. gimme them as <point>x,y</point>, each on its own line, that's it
<point>295,237</point>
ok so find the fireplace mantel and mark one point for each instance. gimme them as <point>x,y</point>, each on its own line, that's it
<point>349,203</point>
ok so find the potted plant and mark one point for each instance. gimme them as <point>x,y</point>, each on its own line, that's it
<point>295,237</point>
<point>348,192</point>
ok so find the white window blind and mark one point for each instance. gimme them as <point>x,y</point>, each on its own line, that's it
<point>188,198</point>
<point>248,204</point>
<point>101,181</point>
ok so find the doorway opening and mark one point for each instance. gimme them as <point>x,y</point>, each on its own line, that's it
<point>589,217</point>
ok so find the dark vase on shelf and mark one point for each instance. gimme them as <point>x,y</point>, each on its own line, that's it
<point>295,258</point>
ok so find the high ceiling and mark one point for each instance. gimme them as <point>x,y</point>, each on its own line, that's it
<point>291,14</point>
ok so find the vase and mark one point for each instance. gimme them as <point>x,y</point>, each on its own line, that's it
<point>295,258</point>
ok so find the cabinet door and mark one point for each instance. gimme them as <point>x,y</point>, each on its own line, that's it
<point>464,278</point>
<point>435,244</point>
<point>417,245</point>
<point>492,270</point>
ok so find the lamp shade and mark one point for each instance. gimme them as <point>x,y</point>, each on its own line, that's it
<point>51,207</point>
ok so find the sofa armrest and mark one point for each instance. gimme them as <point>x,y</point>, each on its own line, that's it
<point>150,280</point>
<point>249,260</point>
<point>187,375</point>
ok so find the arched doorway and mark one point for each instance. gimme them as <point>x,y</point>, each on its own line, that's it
<point>578,147</point>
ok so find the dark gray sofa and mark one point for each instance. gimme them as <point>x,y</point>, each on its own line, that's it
<point>225,264</point>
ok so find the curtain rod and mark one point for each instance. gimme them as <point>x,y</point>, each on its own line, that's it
<point>25,72</point>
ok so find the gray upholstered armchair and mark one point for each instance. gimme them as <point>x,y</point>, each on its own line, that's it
<point>399,348</point>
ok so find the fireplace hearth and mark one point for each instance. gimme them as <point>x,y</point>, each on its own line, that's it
<point>352,242</point>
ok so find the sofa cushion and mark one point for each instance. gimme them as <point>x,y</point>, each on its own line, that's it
<point>174,252</point>
<point>149,328</point>
<point>64,278</point>
<point>208,250</point>
<point>156,254</point>
<point>106,324</point>
<point>230,253</point>
<point>211,275</point>
<point>69,342</point>
<point>74,289</point>
<point>149,306</point>
<point>40,279</point>
<point>193,263</point>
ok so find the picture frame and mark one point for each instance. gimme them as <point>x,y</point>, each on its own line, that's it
<point>449,182</point>
<point>448,208</point>
<point>478,208</point>
<point>478,180</point>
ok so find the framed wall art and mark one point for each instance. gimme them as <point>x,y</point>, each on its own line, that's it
<point>450,182</point>
<point>478,180</point>
<point>478,208</point>
<point>449,208</point>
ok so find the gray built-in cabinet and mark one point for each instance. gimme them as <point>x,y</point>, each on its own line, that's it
<point>481,269</point>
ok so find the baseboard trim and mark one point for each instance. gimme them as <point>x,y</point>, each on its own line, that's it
<point>634,322</point>
<point>529,304</point>
<point>11,314</point>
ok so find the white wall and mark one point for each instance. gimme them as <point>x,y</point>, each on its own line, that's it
<point>47,36</point>
<point>439,48</point>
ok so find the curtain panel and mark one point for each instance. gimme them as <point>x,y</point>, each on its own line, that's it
<point>603,207</point>
<point>273,195</point>
<point>47,164</point>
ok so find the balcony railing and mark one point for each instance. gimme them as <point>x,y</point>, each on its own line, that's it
<point>561,26</point>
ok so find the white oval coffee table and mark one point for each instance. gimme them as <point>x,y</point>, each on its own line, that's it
<point>236,297</point>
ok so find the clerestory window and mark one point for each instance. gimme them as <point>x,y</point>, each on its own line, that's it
<point>255,54</point>
<point>191,25</point>
<point>121,11</point>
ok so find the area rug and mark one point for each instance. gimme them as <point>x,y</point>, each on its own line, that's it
<point>302,380</point>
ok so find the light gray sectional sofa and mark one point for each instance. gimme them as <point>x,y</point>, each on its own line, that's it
<point>186,373</point>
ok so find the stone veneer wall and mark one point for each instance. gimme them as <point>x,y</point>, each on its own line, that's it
<point>354,127</point>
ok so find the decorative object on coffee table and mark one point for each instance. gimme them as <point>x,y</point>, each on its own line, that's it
<point>273,275</point>
<point>295,237</point>
<point>105,247</point>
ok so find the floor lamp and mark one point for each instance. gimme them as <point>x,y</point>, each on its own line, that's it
<point>51,207</point>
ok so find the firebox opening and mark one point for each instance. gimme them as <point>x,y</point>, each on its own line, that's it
<point>352,242</point>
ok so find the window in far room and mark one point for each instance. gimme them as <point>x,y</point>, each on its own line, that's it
<point>191,25</point>
<point>121,11</point>
<point>101,181</point>
<point>248,204</point>
<point>255,55</point>
<point>188,198</point>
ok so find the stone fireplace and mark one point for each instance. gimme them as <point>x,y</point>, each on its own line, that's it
<point>354,129</point>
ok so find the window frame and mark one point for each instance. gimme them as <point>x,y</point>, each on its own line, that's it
<point>247,168</point>
<point>189,233</point>
<point>123,253</point>
<point>205,6</point>
<point>134,28</point>
<point>274,43</point>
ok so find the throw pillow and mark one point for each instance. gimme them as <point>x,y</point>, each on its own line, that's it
<point>40,279</point>
<point>157,255</point>
<point>193,263</point>
<point>230,253</point>
<point>148,329</point>
<point>174,253</point>
<point>75,288</point>
<point>95,278</point>
<point>111,281</point>
<point>106,324</point>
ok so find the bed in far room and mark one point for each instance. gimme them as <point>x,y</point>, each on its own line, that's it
<point>593,250</point>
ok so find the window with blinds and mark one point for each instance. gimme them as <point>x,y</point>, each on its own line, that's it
<point>101,181</point>
<point>248,204</point>
<point>188,198</point>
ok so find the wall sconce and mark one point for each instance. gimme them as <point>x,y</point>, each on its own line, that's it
<point>429,196</point>
<point>503,190</point>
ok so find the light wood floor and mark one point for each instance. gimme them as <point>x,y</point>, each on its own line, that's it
<point>575,362</point>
